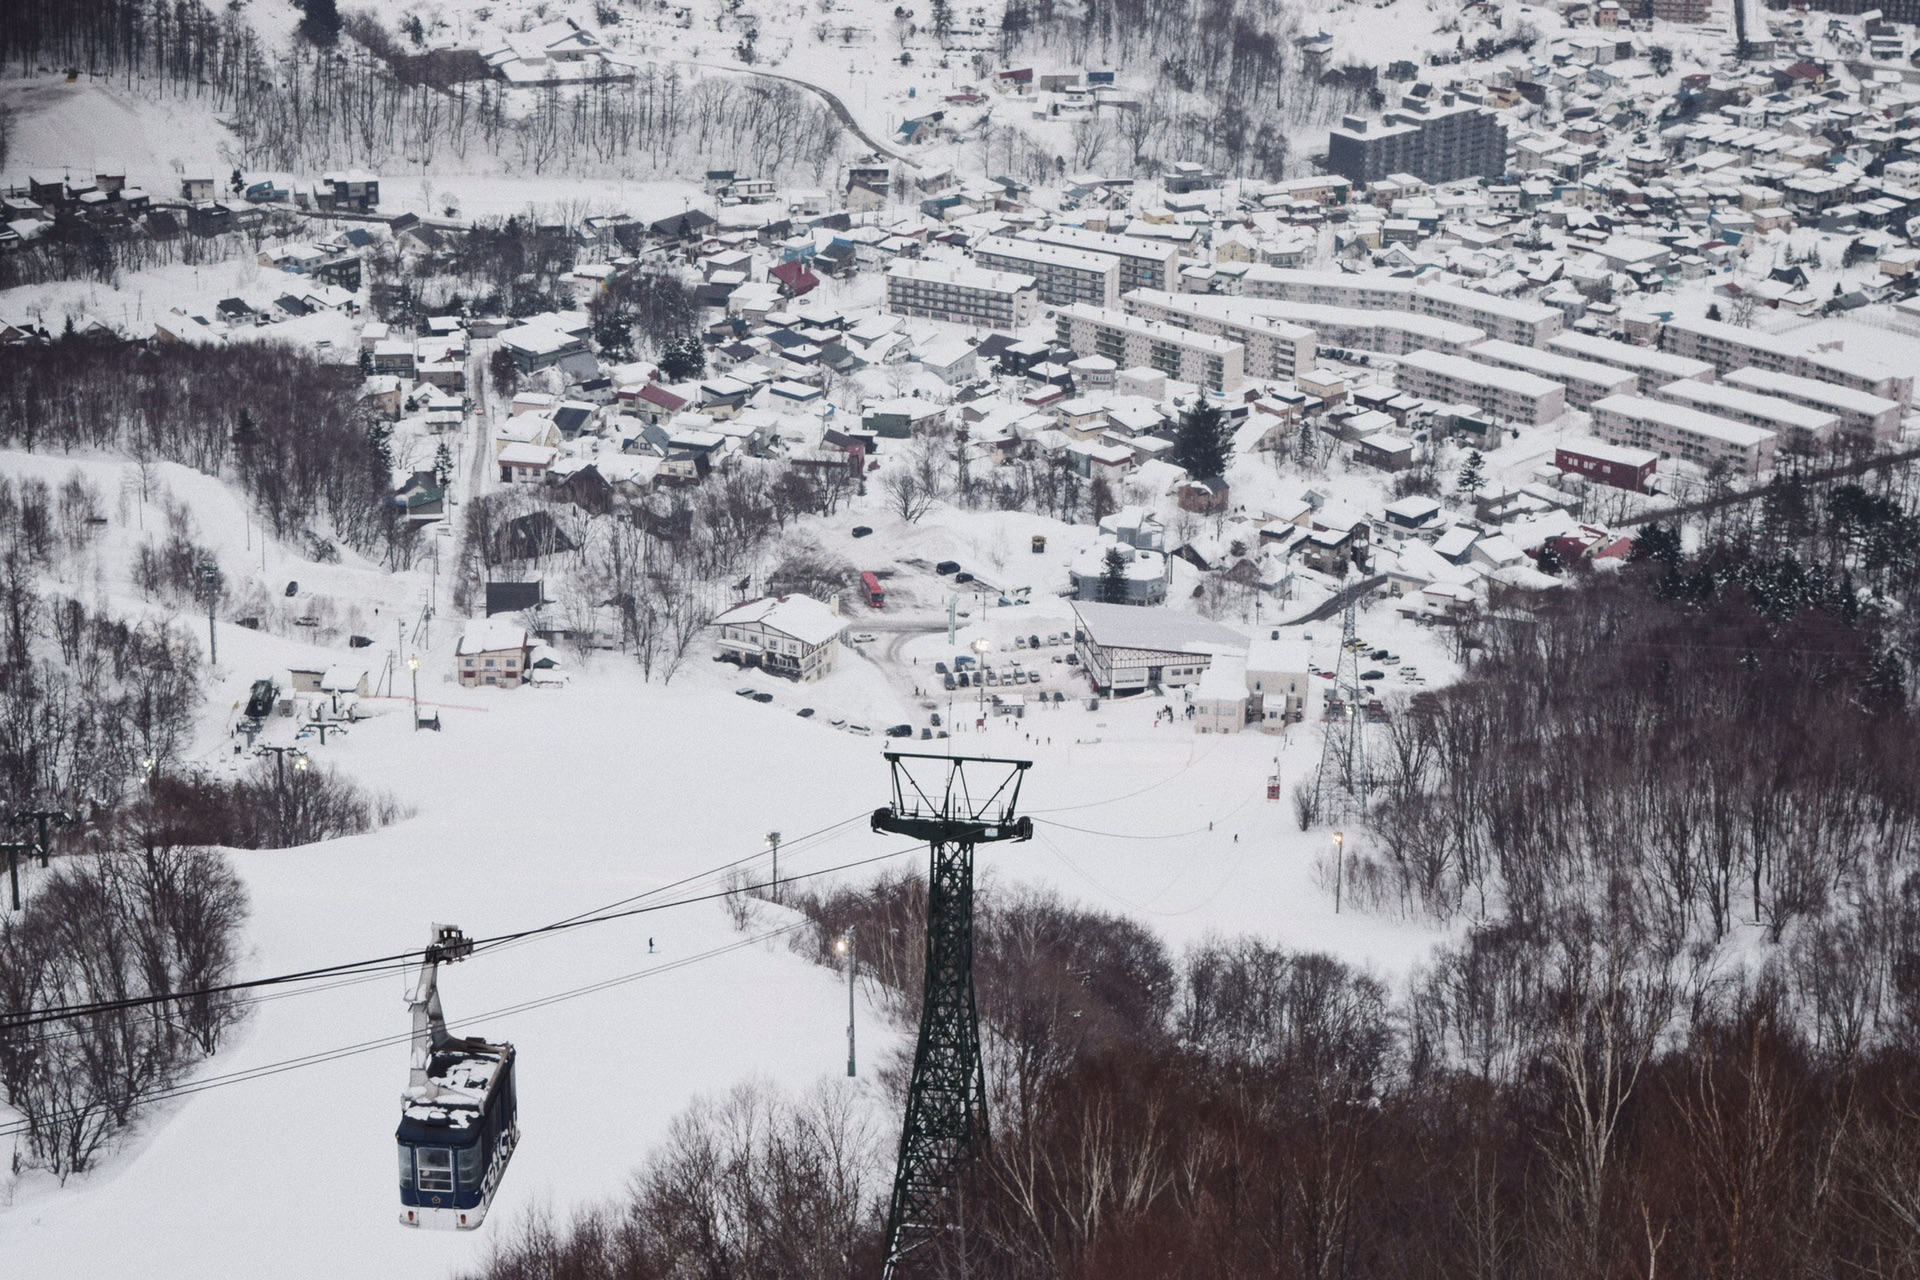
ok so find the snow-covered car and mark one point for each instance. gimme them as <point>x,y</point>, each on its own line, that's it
<point>744,691</point>
<point>862,730</point>
<point>864,637</point>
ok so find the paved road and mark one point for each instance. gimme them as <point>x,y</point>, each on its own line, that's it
<point>1338,601</point>
<point>832,100</point>
<point>1878,463</point>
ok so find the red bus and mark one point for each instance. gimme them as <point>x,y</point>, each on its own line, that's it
<point>876,597</point>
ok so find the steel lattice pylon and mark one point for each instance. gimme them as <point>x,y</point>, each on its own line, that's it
<point>1340,786</point>
<point>946,1121</point>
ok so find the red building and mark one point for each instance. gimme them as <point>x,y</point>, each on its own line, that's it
<point>1620,466</point>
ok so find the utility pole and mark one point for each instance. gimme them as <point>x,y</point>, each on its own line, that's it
<point>1339,866</point>
<point>413,665</point>
<point>846,946</point>
<point>960,805</point>
<point>42,818</point>
<point>773,838</point>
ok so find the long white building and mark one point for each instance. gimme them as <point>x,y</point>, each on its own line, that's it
<point>1505,393</point>
<point>1143,264</point>
<point>1391,333</point>
<point>1729,347</point>
<point>1654,368</point>
<point>1274,348</point>
<point>1527,323</point>
<point>1216,364</point>
<point>1784,418</point>
<point>961,294</point>
<point>1857,410</point>
<point>1678,431</point>
<point>1584,380</point>
<point>1065,276</point>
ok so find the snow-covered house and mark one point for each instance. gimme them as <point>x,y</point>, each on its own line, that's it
<point>493,651</point>
<point>792,636</point>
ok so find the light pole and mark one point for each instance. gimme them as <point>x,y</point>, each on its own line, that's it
<point>413,665</point>
<point>1339,866</point>
<point>773,838</point>
<point>845,948</point>
<point>981,648</point>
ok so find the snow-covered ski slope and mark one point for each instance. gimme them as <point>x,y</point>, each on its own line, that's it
<point>534,805</point>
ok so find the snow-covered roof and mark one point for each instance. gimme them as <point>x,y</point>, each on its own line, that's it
<point>802,617</point>
<point>1120,626</point>
<point>491,635</point>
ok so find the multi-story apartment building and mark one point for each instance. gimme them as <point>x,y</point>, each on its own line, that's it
<point>961,294</point>
<point>1216,364</point>
<point>1584,380</point>
<point>1728,347</point>
<point>1431,135</point>
<point>1506,393</point>
<point>1654,369</point>
<point>1678,431</point>
<point>1527,323</point>
<point>1064,275</point>
<point>1785,418</point>
<point>1392,333</point>
<point>1143,264</point>
<point>1274,348</point>
<point>1857,410</point>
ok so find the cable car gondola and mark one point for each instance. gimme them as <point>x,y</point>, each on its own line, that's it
<point>459,1119</point>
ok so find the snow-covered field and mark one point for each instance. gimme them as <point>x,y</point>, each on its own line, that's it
<point>536,805</point>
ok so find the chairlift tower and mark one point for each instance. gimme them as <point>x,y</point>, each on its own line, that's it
<point>953,803</point>
<point>1340,785</point>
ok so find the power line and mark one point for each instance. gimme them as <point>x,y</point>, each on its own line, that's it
<point>378,966</point>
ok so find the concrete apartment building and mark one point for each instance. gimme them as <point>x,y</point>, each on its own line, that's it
<point>1392,333</point>
<point>1528,323</point>
<point>1678,431</point>
<point>1431,135</point>
<point>1784,418</point>
<point>1728,347</point>
<point>961,294</point>
<point>1143,264</point>
<point>1215,364</point>
<point>1584,380</point>
<point>1654,369</point>
<point>1275,348</point>
<point>1065,276</point>
<point>1505,393</point>
<point>1857,410</point>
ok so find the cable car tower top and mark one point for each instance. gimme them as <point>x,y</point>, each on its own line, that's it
<point>935,800</point>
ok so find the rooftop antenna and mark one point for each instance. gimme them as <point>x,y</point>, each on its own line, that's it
<point>953,803</point>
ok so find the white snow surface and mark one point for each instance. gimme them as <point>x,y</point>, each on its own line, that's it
<point>537,804</point>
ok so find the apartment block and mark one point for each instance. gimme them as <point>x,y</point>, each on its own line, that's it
<point>1275,349</point>
<point>1505,393</point>
<point>1584,380</point>
<point>1065,276</point>
<point>1431,135</point>
<point>1784,418</point>
<point>961,294</point>
<point>1527,323</point>
<point>1875,415</point>
<point>1728,347</point>
<point>1678,431</point>
<point>1143,264</point>
<point>1216,364</point>
<point>1392,333</point>
<point>1654,369</point>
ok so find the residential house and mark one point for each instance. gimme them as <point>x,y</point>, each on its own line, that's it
<point>493,651</point>
<point>794,636</point>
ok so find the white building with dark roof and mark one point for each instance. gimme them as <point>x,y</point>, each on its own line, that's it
<point>792,636</point>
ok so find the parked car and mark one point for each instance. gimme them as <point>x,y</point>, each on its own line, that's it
<point>962,662</point>
<point>1373,675</point>
<point>293,588</point>
<point>1033,642</point>
<point>744,691</point>
<point>963,577</point>
<point>947,681</point>
<point>838,722</point>
<point>1377,654</point>
<point>1073,659</point>
<point>926,734</point>
<point>939,668</point>
<point>861,531</point>
<point>805,713</point>
<point>934,719</point>
<point>763,697</point>
<point>860,730</point>
<point>990,677</point>
<point>900,731</point>
<point>864,637</point>
<point>966,681</point>
<point>1019,642</point>
<point>947,566</point>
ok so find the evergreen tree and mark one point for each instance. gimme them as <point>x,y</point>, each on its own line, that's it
<point>1472,474</point>
<point>1113,578</point>
<point>683,358</point>
<point>1657,542</point>
<point>1203,443</point>
<point>1713,311</point>
<point>442,464</point>
<point>366,363</point>
<point>321,25</point>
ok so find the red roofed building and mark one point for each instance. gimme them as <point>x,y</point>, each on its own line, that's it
<point>795,280</point>
<point>656,404</point>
